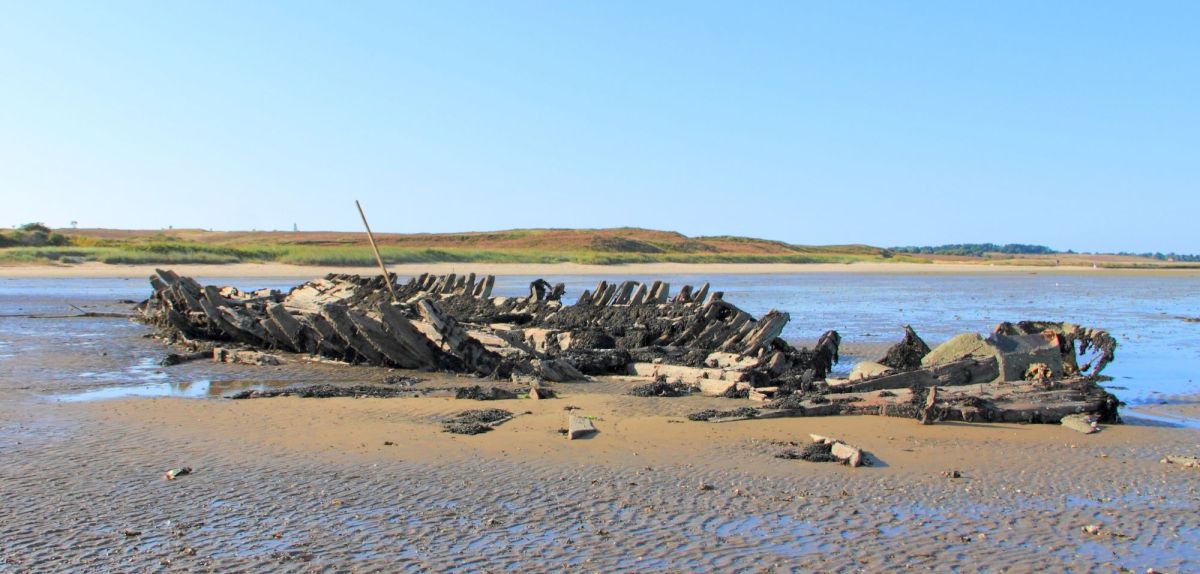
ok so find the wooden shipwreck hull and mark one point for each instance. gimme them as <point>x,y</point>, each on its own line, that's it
<point>1023,372</point>
<point>453,323</point>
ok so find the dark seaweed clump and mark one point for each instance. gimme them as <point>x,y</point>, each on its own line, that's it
<point>815,452</point>
<point>790,402</point>
<point>479,393</point>
<point>736,392</point>
<point>400,380</point>
<point>475,421</point>
<point>324,392</point>
<point>661,388</point>
<point>707,414</point>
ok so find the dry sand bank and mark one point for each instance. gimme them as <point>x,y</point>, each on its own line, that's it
<point>550,270</point>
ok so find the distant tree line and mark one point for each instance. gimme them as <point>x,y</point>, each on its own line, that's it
<point>980,249</point>
<point>1165,256</point>
<point>977,249</point>
<point>32,235</point>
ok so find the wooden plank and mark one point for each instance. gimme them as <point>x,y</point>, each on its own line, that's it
<point>407,335</point>
<point>338,318</point>
<point>372,331</point>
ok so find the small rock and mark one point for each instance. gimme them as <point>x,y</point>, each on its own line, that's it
<point>852,456</point>
<point>1184,461</point>
<point>1086,424</point>
<point>951,474</point>
<point>704,487</point>
<point>174,473</point>
<point>1093,529</point>
<point>130,532</point>
<point>579,427</point>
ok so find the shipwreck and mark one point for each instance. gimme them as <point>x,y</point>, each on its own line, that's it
<point>690,341</point>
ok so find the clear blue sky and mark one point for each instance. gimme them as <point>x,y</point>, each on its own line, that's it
<point>1071,124</point>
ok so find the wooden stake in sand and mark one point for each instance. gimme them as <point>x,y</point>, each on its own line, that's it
<point>379,258</point>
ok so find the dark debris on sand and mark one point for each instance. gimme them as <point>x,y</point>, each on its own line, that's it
<point>478,393</point>
<point>661,388</point>
<point>709,414</point>
<point>401,380</point>
<point>475,421</point>
<point>325,391</point>
<point>815,452</point>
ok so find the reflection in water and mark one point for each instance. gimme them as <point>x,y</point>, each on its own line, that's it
<point>192,389</point>
<point>1134,416</point>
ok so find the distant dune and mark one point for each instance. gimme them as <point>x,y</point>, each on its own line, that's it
<point>518,246</point>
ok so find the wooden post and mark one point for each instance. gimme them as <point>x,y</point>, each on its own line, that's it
<point>379,258</point>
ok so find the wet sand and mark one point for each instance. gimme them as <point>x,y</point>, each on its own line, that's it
<point>293,484</point>
<point>556,269</point>
<point>300,485</point>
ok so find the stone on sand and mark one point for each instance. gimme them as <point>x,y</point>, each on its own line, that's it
<point>1083,423</point>
<point>579,427</point>
<point>959,347</point>
<point>868,369</point>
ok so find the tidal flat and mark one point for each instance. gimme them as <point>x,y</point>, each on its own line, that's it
<point>89,422</point>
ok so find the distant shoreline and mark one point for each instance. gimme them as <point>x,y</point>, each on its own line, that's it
<point>117,271</point>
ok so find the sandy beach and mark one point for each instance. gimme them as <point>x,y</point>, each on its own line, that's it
<point>99,270</point>
<point>373,485</point>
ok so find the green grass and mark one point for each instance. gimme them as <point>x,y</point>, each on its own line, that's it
<point>162,249</point>
<point>52,254</point>
<point>357,256</point>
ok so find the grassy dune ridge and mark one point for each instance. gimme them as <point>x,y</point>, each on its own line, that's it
<point>537,246</point>
<point>586,246</point>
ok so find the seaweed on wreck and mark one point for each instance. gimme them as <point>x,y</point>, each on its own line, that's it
<point>792,401</point>
<point>907,354</point>
<point>736,392</point>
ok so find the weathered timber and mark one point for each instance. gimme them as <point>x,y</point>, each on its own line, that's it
<point>418,346</point>
<point>637,329</point>
<point>964,372</point>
